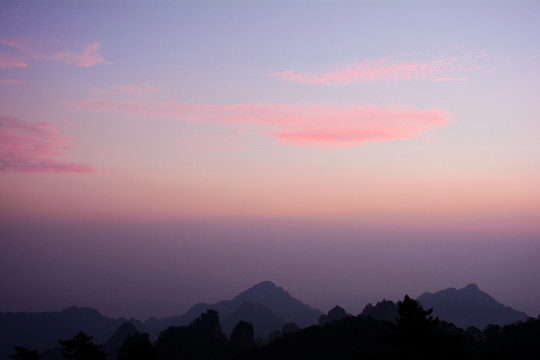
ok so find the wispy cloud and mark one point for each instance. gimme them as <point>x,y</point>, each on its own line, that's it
<point>23,52</point>
<point>426,66</point>
<point>89,56</point>
<point>12,81</point>
<point>320,125</point>
<point>34,148</point>
<point>8,60</point>
<point>354,125</point>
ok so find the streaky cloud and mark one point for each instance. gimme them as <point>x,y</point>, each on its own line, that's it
<point>11,61</point>
<point>12,81</point>
<point>23,52</point>
<point>422,66</point>
<point>314,125</point>
<point>34,148</point>
<point>88,57</point>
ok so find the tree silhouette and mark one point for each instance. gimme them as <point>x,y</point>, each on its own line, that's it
<point>81,347</point>
<point>412,317</point>
<point>414,331</point>
<point>22,353</point>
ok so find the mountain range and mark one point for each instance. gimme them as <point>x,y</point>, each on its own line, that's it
<point>469,307</point>
<point>267,306</point>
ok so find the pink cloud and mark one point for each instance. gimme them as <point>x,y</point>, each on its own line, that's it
<point>320,125</point>
<point>12,81</point>
<point>88,57</point>
<point>427,67</point>
<point>23,52</point>
<point>34,148</point>
<point>355,125</point>
<point>10,61</point>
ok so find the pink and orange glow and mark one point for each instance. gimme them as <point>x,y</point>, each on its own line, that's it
<point>337,125</point>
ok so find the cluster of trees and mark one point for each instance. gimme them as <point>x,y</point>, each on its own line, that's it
<point>80,347</point>
<point>415,334</point>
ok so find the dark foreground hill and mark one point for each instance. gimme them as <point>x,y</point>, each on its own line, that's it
<point>415,334</point>
<point>470,307</point>
<point>42,330</point>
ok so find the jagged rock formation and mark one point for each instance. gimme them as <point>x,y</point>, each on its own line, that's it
<point>242,337</point>
<point>117,339</point>
<point>203,339</point>
<point>335,314</point>
<point>384,310</point>
<point>209,326</point>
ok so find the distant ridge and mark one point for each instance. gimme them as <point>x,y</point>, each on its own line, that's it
<point>270,298</point>
<point>469,306</point>
<point>280,302</point>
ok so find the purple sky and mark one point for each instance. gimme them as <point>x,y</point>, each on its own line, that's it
<point>181,151</point>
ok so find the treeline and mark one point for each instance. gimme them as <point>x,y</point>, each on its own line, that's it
<point>415,334</point>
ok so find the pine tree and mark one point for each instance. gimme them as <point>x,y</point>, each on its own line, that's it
<point>414,332</point>
<point>22,353</point>
<point>81,347</point>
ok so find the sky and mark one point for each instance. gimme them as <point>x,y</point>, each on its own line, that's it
<point>158,154</point>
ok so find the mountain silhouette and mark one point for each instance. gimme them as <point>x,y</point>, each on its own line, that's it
<point>469,307</point>
<point>265,308</point>
<point>202,339</point>
<point>117,339</point>
<point>42,330</point>
<point>281,303</point>
<point>384,310</point>
<point>264,320</point>
<point>266,293</point>
<point>336,313</point>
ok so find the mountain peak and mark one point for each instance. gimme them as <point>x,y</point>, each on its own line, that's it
<point>469,306</point>
<point>81,311</point>
<point>280,302</point>
<point>267,284</point>
<point>261,290</point>
<point>472,286</point>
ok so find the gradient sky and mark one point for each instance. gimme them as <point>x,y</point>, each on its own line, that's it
<point>182,151</point>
